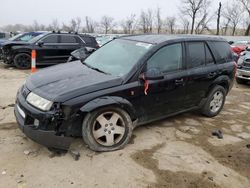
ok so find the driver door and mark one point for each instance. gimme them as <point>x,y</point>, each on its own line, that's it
<point>167,95</point>
<point>47,52</point>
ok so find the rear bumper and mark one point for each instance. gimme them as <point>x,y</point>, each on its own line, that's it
<point>46,138</point>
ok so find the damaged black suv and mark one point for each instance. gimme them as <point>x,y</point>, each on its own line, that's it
<point>128,82</point>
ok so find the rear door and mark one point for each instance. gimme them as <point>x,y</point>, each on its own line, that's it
<point>202,71</point>
<point>48,52</point>
<point>67,44</point>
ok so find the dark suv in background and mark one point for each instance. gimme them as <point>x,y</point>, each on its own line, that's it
<point>130,81</point>
<point>51,48</point>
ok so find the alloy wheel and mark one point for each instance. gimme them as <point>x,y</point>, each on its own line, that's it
<point>108,128</point>
<point>216,101</point>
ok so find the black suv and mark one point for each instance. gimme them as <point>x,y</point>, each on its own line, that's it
<point>51,48</point>
<point>130,81</point>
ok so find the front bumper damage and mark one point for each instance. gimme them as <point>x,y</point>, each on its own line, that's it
<point>27,116</point>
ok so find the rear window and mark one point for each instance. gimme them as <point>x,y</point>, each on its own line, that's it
<point>223,52</point>
<point>51,39</point>
<point>196,54</point>
<point>68,39</point>
<point>89,40</point>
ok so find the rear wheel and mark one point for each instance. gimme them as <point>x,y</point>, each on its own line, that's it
<point>107,129</point>
<point>215,102</point>
<point>22,61</point>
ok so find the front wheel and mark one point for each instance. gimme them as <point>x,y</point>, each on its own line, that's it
<point>107,129</point>
<point>22,61</point>
<point>215,102</point>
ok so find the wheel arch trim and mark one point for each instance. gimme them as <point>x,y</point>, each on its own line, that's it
<point>110,101</point>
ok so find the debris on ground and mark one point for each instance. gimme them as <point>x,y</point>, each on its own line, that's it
<point>4,172</point>
<point>26,152</point>
<point>217,133</point>
<point>75,154</point>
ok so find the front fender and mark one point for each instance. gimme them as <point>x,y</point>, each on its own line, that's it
<point>19,49</point>
<point>110,101</point>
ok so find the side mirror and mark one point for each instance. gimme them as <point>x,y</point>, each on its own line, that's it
<point>40,43</point>
<point>152,74</point>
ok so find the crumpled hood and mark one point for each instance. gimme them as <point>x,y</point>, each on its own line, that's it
<point>66,81</point>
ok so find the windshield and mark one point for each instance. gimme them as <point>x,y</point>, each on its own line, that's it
<point>35,39</point>
<point>25,37</point>
<point>118,57</point>
<point>15,37</point>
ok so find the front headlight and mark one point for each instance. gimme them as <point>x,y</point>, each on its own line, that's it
<point>39,102</point>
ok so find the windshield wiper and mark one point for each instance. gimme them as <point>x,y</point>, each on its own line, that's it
<point>94,68</point>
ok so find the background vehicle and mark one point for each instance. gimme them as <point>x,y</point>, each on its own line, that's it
<point>243,70</point>
<point>51,48</point>
<point>89,40</point>
<point>239,46</point>
<point>130,81</point>
<point>24,37</point>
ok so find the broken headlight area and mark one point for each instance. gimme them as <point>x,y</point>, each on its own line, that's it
<point>39,102</point>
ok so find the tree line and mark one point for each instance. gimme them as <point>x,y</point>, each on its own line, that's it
<point>193,17</point>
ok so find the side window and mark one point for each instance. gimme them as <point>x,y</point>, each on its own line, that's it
<point>51,39</point>
<point>168,58</point>
<point>68,39</point>
<point>209,57</point>
<point>87,40</point>
<point>224,52</point>
<point>196,54</point>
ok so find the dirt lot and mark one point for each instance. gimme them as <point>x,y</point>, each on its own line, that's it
<point>177,152</point>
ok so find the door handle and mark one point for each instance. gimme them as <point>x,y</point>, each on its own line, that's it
<point>179,82</point>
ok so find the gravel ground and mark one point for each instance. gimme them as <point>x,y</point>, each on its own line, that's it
<point>176,152</point>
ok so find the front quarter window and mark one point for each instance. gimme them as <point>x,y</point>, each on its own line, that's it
<point>118,57</point>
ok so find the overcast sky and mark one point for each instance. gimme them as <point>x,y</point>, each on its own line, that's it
<point>44,11</point>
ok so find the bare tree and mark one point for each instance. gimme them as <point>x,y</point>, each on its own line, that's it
<point>128,24</point>
<point>218,19</point>
<point>171,23</point>
<point>146,21</point>
<point>107,23</point>
<point>75,24</point>
<point>233,15</point>
<point>246,6</point>
<point>225,25</point>
<point>185,25</point>
<point>204,19</point>
<point>192,8</point>
<point>158,20</point>
<point>55,26</point>
<point>90,25</point>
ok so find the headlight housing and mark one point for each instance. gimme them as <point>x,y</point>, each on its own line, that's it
<point>39,102</point>
<point>240,61</point>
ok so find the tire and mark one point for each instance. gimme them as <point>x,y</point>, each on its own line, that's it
<point>215,102</point>
<point>240,81</point>
<point>99,128</point>
<point>22,61</point>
